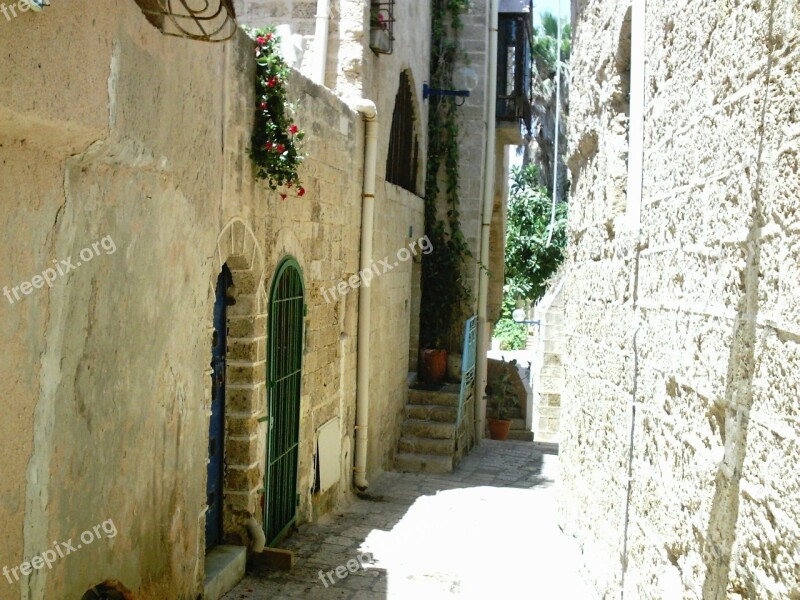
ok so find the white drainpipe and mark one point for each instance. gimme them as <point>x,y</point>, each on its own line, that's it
<point>321,42</point>
<point>370,113</point>
<point>486,221</point>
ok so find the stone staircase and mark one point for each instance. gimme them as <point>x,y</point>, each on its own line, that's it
<point>428,440</point>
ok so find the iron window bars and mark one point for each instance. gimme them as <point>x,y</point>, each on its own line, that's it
<point>202,20</point>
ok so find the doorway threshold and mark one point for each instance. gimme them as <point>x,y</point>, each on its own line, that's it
<point>225,567</point>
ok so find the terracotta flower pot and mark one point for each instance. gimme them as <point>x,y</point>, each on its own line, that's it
<point>433,366</point>
<point>498,430</point>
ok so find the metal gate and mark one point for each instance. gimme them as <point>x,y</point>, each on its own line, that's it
<point>216,430</point>
<point>284,363</point>
<point>466,399</point>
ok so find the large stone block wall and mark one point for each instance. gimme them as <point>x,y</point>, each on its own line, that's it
<point>548,364</point>
<point>107,411</point>
<point>695,311</point>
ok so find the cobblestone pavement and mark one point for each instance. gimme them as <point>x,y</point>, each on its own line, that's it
<point>487,530</point>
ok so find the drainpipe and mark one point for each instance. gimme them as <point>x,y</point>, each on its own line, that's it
<point>486,220</point>
<point>321,42</point>
<point>370,113</point>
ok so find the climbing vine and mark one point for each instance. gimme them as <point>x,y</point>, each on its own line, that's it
<point>444,293</point>
<point>275,145</point>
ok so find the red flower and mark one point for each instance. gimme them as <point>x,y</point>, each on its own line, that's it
<point>280,148</point>
<point>272,82</point>
<point>263,106</point>
<point>293,129</point>
<point>261,40</point>
<point>301,191</point>
<point>269,37</point>
<point>283,196</point>
<point>268,146</point>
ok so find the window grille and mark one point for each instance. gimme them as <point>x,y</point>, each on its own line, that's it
<point>203,20</point>
<point>381,26</point>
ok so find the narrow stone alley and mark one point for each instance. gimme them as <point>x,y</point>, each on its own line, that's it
<point>487,530</point>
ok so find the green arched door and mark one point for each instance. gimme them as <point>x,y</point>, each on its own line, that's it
<point>284,370</point>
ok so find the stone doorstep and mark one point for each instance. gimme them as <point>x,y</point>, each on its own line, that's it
<point>424,463</point>
<point>422,397</point>
<point>432,412</point>
<point>224,567</point>
<point>428,429</point>
<point>424,445</point>
<point>275,559</point>
<point>520,435</point>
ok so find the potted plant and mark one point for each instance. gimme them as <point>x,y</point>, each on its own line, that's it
<point>500,395</point>
<point>433,364</point>
<point>380,38</point>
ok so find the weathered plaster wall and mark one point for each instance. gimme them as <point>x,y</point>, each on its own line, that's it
<point>143,137</point>
<point>392,314</point>
<point>696,313</point>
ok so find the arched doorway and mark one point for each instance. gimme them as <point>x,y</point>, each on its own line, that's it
<point>284,370</point>
<point>216,429</point>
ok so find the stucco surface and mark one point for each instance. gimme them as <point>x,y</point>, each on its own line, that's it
<point>142,137</point>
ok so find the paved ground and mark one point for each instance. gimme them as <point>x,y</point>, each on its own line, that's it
<point>485,531</point>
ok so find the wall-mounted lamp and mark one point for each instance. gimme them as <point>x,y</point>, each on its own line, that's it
<point>37,5</point>
<point>465,80</point>
<point>519,317</point>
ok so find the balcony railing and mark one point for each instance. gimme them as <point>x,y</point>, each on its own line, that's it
<point>514,44</point>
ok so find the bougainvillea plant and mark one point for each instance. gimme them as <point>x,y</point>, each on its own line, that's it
<point>275,148</point>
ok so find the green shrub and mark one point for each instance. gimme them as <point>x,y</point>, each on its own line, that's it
<point>512,336</point>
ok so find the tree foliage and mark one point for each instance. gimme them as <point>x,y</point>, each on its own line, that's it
<point>530,260</point>
<point>545,42</point>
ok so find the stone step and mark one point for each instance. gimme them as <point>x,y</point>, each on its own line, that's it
<point>424,397</point>
<point>520,435</point>
<point>428,429</point>
<point>517,424</point>
<point>421,445</point>
<point>423,463</point>
<point>516,434</point>
<point>432,412</point>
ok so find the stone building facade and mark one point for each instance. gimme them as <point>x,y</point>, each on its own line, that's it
<point>140,140</point>
<point>679,428</point>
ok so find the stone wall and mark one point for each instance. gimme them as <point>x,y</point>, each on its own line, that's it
<point>547,378</point>
<point>691,310</point>
<point>141,138</point>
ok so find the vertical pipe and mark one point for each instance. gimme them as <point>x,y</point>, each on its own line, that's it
<point>486,221</point>
<point>321,42</point>
<point>633,217</point>
<point>370,113</point>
